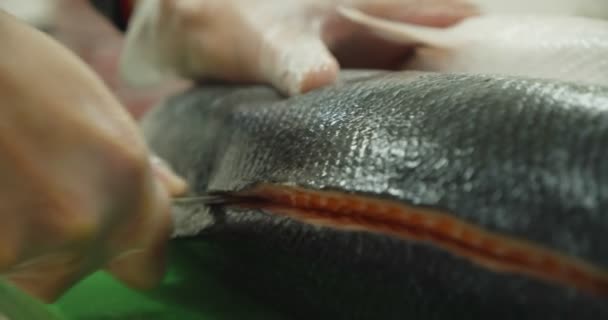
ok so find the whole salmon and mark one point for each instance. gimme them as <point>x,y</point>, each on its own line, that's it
<point>399,195</point>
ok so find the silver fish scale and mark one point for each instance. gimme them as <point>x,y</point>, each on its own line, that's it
<point>520,157</point>
<point>275,142</point>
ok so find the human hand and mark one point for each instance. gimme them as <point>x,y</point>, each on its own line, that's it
<point>295,46</point>
<point>79,191</point>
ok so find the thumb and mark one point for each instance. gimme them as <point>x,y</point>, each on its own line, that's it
<point>296,62</point>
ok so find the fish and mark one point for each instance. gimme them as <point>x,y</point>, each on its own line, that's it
<point>553,47</point>
<point>392,195</point>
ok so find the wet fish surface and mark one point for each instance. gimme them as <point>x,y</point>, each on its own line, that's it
<point>400,195</point>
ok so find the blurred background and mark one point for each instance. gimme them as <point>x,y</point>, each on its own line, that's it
<point>94,38</point>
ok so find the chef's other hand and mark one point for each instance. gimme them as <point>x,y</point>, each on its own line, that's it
<point>78,189</point>
<point>295,45</point>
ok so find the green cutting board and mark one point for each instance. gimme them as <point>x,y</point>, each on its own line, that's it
<point>185,294</point>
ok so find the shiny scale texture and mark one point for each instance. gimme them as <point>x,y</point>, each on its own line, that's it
<point>519,157</point>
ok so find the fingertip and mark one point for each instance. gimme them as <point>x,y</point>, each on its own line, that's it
<point>310,74</point>
<point>173,183</point>
<point>296,62</point>
<point>314,79</point>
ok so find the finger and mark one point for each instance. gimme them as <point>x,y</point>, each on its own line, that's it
<point>47,277</point>
<point>141,269</point>
<point>11,241</point>
<point>296,63</point>
<point>143,265</point>
<point>174,184</point>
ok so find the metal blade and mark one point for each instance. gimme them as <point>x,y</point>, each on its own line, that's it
<point>205,198</point>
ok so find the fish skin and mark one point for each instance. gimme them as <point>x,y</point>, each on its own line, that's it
<point>520,157</point>
<point>553,47</point>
